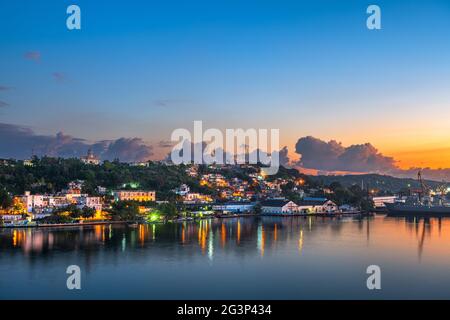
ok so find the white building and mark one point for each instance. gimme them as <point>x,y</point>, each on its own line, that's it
<point>90,202</point>
<point>348,208</point>
<point>279,206</point>
<point>318,205</point>
<point>380,201</point>
<point>90,158</point>
<point>182,190</point>
<point>234,207</point>
<point>193,197</point>
<point>33,202</point>
<point>57,201</point>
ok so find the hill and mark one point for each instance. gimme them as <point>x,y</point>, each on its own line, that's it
<point>374,181</point>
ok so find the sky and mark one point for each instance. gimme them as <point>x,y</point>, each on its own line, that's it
<point>137,70</point>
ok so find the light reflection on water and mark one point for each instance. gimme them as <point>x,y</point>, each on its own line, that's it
<point>252,258</point>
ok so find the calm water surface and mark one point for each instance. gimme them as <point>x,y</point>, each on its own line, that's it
<point>239,258</point>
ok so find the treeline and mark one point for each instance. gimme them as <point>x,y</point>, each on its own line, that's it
<point>50,175</point>
<point>382,184</point>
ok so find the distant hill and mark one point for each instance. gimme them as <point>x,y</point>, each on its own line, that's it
<point>375,181</point>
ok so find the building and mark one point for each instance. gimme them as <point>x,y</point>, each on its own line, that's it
<point>318,205</point>
<point>90,158</point>
<point>73,188</point>
<point>90,202</point>
<point>134,195</point>
<point>28,163</point>
<point>182,190</point>
<point>57,201</point>
<point>8,218</point>
<point>234,207</point>
<point>140,164</point>
<point>348,208</point>
<point>32,202</point>
<point>279,206</point>
<point>379,202</point>
<point>101,190</point>
<point>192,197</point>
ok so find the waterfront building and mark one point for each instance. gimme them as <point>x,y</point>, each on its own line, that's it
<point>10,217</point>
<point>134,195</point>
<point>347,208</point>
<point>234,207</point>
<point>279,206</point>
<point>379,202</point>
<point>318,205</point>
<point>30,202</point>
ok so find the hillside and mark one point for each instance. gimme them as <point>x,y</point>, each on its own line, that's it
<point>374,181</point>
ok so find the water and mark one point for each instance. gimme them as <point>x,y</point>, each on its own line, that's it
<point>239,258</point>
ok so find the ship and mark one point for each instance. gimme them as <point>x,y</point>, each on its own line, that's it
<point>422,203</point>
<point>403,209</point>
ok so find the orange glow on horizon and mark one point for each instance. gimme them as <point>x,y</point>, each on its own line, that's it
<point>425,152</point>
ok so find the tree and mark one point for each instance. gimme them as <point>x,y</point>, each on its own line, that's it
<point>124,211</point>
<point>168,209</point>
<point>257,209</point>
<point>87,212</point>
<point>335,185</point>
<point>71,211</point>
<point>5,199</point>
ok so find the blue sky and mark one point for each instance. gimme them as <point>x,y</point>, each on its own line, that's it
<point>145,68</point>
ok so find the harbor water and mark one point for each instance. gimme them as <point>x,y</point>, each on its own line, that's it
<point>233,258</point>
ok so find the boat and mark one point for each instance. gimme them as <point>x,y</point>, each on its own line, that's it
<point>133,225</point>
<point>403,209</point>
<point>423,203</point>
<point>19,224</point>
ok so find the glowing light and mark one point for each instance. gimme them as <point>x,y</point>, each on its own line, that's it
<point>300,241</point>
<point>223,235</point>
<point>238,235</point>
<point>154,217</point>
<point>261,239</point>
<point>14,239</point>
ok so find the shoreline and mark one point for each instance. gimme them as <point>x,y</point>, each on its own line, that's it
<point>94,223</point>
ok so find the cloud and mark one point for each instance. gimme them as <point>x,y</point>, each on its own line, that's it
<point>169,102</point>
<point>284,158</point>
<point>227,156</point>
<point>33,56</point>
<point>5,88</point>
<point>59,76</point>
<point>332,156</point>
<point>128,150</point>
<point>442,174</point>
<point>21,142</point>
<point>166,144</point>
<point>160,103</point>
<point>3,104</point>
